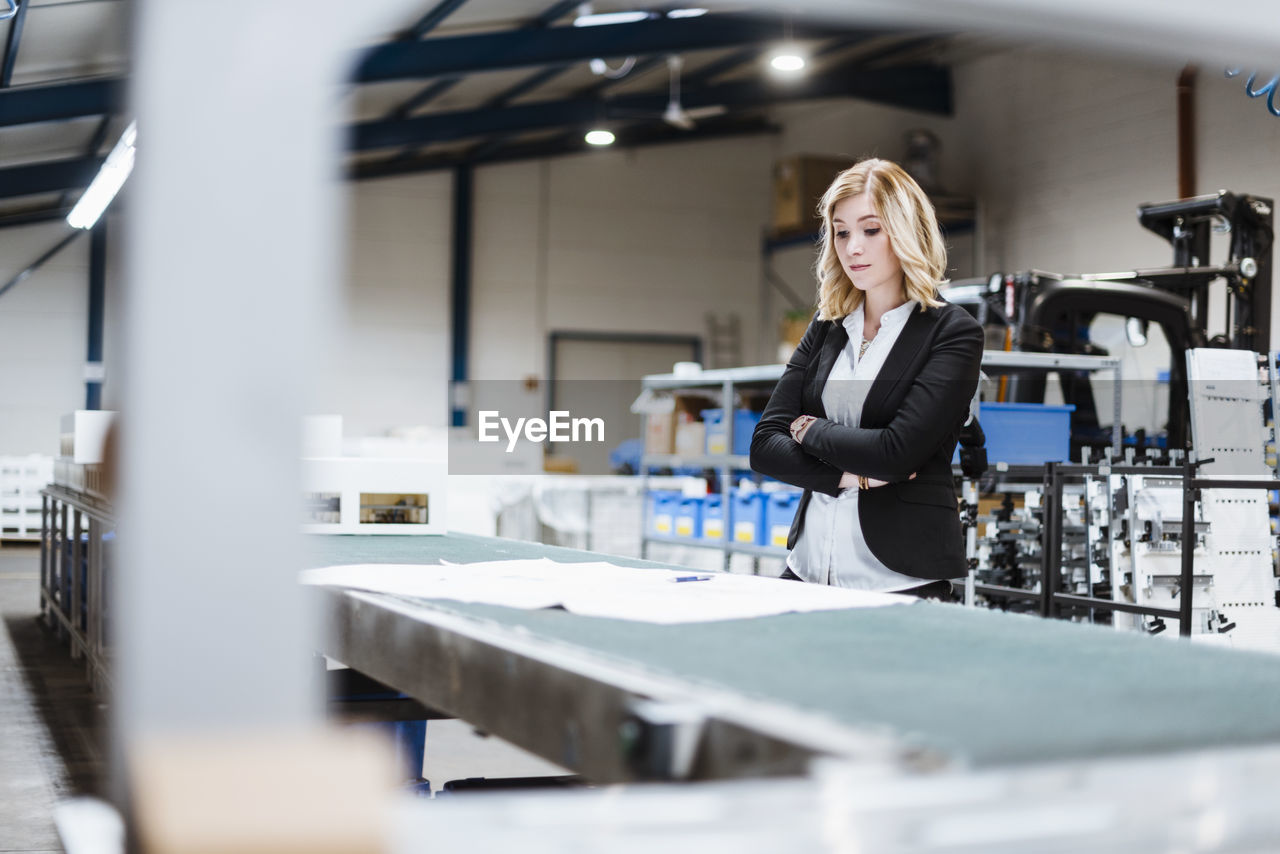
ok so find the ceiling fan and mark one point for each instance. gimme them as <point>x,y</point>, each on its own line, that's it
<point>675,114</point>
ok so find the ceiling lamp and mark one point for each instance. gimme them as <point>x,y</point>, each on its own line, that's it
<point>788,59</point>
<point>110,178</point>
<point>599,136</point>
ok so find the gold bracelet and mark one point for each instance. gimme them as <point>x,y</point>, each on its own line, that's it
<point>862,482</point>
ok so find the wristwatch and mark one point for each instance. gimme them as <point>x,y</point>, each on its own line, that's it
<point>799,424</point>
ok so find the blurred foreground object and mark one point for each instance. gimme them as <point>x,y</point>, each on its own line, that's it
<point>312,792</point>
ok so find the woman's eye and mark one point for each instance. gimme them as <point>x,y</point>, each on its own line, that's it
<point>871,232</point>
<point>842,234</point>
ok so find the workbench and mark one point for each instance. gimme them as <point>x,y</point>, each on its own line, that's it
<point>921,685</point>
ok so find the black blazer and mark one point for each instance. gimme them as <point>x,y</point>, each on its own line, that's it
<point>910,423</point>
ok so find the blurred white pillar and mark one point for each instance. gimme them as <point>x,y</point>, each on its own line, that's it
<point>233,258</point>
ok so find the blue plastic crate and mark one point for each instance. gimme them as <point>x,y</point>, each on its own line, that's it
<point>779,512</point>
<point>663,505</point>
<point>712,518</point>
<point>1025,433</point>
<point>747,517</point>
<point>688,519</point>
<point>744,424</point>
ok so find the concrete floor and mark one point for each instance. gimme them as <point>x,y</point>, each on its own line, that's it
<point>51,727</point>
<point>53,731</point>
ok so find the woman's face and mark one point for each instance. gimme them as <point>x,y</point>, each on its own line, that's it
<point>863,248</point>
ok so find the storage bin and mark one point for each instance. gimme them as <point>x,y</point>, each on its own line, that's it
<point>713,517</point>
<point>1025,433</point>
<point>780,510</point>
<point>662,512</point>
<point>747,517</point>
<point>688,517</point>
<point>744,424</point>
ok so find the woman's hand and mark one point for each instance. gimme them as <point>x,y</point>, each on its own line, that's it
<point>849,480</point>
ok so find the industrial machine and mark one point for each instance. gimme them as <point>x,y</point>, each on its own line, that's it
<point>1140,540</point>
<point>1037,311</point>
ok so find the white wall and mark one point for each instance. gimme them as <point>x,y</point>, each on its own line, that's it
<point>390,365</point>
<point>644,241</point>
<point>43,337</point>
<point>1063,148</point>
<point>640,241</point>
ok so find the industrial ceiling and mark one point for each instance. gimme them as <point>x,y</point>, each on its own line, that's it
<point>467,82</point>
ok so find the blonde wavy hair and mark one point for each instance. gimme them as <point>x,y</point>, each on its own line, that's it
<point>909,221</point>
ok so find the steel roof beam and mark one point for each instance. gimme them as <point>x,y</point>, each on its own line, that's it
<point>422,96</point>
<point>553,13</point>
<point>482,149</point>
<point>49,177</point>
<point>58,101</point>
<point>430,93</point>
<point>431,20</point>
<point>926,88</point>
<point>11,44</point>
<point>633,137</point>
<point>91,150</point>
<point>34,216</point>
<point>524,48</point>
<point>722,66</point>
<point>527,85</point>
<point>446,57</point>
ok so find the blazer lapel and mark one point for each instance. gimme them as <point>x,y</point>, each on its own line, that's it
<point>835,341</point>
<point>901,357</point>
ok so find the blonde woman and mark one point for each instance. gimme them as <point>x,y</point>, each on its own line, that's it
<point>866,416</point>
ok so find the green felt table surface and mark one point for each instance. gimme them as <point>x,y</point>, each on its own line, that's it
<point>984,687</point>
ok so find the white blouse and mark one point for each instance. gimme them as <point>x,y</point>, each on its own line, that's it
<point>831,548</point>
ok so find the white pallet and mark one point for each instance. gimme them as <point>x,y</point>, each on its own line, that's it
<point>21,479</point>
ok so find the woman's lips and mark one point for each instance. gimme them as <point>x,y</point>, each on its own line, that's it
<point>858,267</point>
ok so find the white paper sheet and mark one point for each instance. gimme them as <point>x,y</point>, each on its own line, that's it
<point>601,589</point>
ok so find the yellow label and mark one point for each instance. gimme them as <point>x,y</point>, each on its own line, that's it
<point>713,529</point>
<point>780,534</point>
<point>717,444</point>
<point>684,526</point>
<point>744,532</point>
<point>662,523</point>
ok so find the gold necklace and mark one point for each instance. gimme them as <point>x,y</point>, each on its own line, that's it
<point>862,348</point>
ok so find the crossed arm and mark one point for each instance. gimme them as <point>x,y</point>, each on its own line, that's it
<point>827,451</point>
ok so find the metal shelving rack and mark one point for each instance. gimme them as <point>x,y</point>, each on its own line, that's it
<point>73,603</point>
<point>728,380</point>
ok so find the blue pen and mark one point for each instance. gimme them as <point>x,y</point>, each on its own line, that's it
<point>692,578</point>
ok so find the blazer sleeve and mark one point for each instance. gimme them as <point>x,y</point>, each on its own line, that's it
<point>929,412</point>
<point>773,452</point>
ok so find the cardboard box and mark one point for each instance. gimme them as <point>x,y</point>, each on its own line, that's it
<point>798,184</point>
<point>691,438</point>
<point>661,421</point>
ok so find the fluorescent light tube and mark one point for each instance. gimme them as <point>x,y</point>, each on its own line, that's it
<point>606,18</point>
<point>110,178</point>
